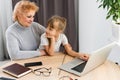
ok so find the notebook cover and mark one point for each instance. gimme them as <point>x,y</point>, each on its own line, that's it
<point>16,70</point>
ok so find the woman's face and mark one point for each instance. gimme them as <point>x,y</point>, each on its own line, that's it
<point>25,19</point>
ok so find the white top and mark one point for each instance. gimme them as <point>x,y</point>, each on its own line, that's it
<point>62,39</point>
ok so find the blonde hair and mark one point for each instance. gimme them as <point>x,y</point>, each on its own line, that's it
<point>24,6</point>
<point>61,22</point>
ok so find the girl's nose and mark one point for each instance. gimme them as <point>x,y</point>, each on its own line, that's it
<point>47,31</point>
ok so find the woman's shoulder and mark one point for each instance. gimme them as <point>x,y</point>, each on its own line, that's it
<point>37,26</point>
<point>35,23</point>
<point>11,27</point>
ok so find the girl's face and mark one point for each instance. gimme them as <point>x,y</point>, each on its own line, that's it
<point>53,31</point>
<point>25,19</point>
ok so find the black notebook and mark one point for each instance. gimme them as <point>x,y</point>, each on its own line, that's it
<point>16,70</point>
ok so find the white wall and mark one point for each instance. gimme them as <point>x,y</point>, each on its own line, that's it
<point>94,30</point>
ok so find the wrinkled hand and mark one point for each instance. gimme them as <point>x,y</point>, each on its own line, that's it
<point>84,56</point>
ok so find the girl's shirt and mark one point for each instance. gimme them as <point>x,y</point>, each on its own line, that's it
<point>62,39</point>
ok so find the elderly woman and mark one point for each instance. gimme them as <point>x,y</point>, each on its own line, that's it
<point>23,36</point>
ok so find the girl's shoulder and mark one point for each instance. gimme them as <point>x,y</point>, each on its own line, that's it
<point>43,35</point>
<point>62,35</point>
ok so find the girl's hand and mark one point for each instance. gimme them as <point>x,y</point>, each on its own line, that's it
<point>83,56</point>
<point>42,52</point>
<point>50,37</point>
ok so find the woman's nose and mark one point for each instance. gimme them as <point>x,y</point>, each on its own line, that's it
<point>31,19</point>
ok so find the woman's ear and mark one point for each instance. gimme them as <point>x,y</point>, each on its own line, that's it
<point>18,15</point>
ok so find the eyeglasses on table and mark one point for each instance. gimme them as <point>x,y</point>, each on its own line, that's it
<point>44,71</point>
<point>66,78</point>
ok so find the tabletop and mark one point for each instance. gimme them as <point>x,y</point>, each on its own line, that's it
<point>106,71</point>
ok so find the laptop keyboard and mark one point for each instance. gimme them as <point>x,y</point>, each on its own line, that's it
<point>80,67</point>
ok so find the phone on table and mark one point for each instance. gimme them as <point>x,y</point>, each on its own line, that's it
<point>33,64</point>
<point>5,78</point>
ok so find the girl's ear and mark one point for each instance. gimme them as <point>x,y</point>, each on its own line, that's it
<point>60,31</point>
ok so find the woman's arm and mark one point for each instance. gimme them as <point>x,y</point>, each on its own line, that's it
<point>18,44</point>
<point>14,50</point>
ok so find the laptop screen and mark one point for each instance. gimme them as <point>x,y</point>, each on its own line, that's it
<point>80,67</point>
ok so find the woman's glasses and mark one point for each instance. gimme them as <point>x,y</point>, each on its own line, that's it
<point>44,71</point>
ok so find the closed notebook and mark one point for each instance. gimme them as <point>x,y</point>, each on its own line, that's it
<point>16,70</point>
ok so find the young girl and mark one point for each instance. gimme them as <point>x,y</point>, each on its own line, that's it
<point>54,37</point>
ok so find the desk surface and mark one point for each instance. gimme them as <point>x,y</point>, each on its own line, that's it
<point>107,71</point>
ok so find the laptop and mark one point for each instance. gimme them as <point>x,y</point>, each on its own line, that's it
<point>80,67</point>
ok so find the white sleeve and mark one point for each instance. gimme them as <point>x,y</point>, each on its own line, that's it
<point>64,39</point>
<point>44,41</point>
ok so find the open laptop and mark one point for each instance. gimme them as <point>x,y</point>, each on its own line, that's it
<point>80,67</point>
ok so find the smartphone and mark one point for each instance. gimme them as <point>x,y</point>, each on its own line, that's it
<point>5,78</point>
<point>33,64</point>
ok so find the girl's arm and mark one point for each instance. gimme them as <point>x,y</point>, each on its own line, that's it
<point>73,53</point>
<point>69,50</point>
<point>50,48</point>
